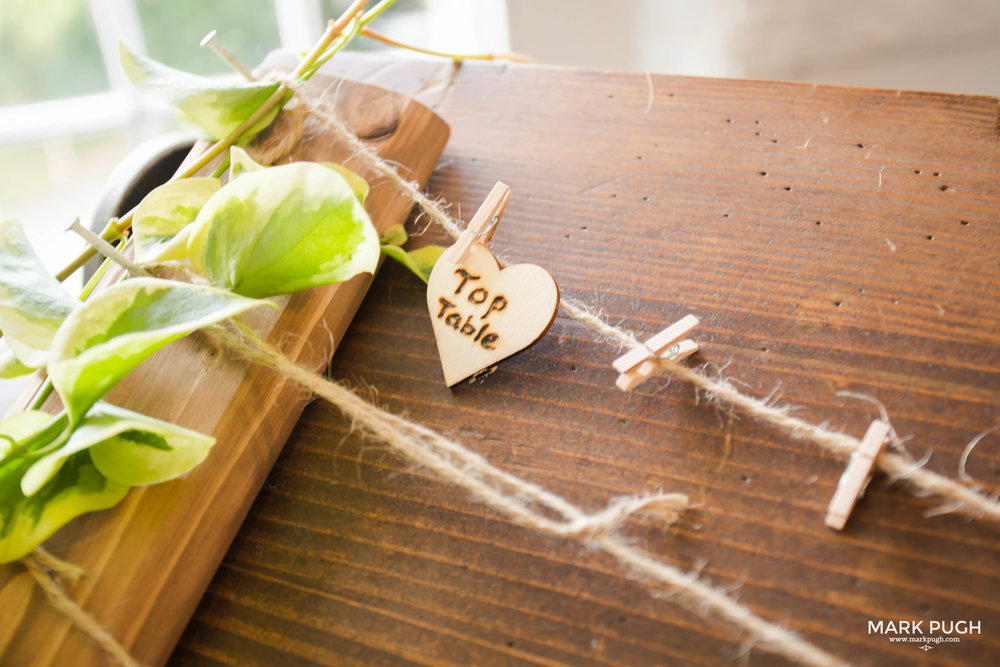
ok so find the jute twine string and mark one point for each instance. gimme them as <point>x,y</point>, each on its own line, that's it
<point>517,498</point>
<point>956,497</point>
<point>959,498</point>
<point>40,564</point>
<point>506,493</point>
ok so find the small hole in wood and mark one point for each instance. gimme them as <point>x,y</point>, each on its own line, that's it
<point>788,188</point>
<point>839,303</point>
<point>756,122</point>
<point>725,215</point>
<point>917,171</point>
<point>745,478</point>
<point>861,145</point>
<point>943,188</point>
<point>510,643</point>
<point>763,173</point>
<point>855,582</point>
<point>622,421</point>
<point>964,223</point>
<point>756,134</point>
<point>729,120</point>
<point>937,173</point>
<point>926,608</point>
<point>583,227</point>
<point>763,348</point>
<point>610,96</point>
<point>638,157</point>
<point>614,195</point>
<point>930,237</point>
<point>819,222</point>
<point>572,368</point>
<point>645,198</point>
<point>895,301</point>
<point>567,236</point>
<point>774,141</point>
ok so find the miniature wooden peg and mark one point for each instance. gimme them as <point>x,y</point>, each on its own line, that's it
<point>638,365</point>
<point>855,478</point>
<point>482,225</point>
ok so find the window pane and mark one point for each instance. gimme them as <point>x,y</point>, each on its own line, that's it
<point>174,28</point>
<point>48,50</point>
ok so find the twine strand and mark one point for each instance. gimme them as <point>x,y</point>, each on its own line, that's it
<point>956,497</point>
<point>454,463</point>
<point>64,604</point>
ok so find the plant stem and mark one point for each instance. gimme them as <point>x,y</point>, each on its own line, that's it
<point>94,279</point>
<point>43,393</point>
<point>379,37</point>
<point>280,96</point>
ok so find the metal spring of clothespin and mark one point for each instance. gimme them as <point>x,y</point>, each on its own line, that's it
<point>638,365</point>
<point>483,224</point>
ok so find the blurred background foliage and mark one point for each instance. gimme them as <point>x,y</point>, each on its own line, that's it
<point>48,50</point>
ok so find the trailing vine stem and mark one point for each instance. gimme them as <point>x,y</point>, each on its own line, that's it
<point>457,57</point>
<point>352,17</point>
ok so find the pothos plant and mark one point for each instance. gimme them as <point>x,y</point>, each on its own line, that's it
<point>258,232</point>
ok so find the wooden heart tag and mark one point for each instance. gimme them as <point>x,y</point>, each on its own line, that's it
<point>482,314</point>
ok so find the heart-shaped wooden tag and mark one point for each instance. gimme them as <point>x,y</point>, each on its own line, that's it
<point>482,314</point>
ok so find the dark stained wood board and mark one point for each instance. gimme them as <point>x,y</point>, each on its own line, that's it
<point>147,561</point>
<point>830,239</point>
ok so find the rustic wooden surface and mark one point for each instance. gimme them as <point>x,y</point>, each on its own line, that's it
<point>829,238</point>
<point>148,561</point>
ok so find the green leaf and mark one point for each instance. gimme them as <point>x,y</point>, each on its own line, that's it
<point>127,447</point>
<point>25,523</point>
<point>22,425</point>
<point>11,368</point>
<point>241,163</point>
<point>421,261</point>
<point>395,235</point>
<point>161,222</point>
<point>114,331</point>
<point>358,184</point>
<point>211,107</point>
<point>283,229</point>
<point>32,303</point>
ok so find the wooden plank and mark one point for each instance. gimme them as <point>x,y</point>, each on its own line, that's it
<point>765,210</point>
<point>148,560</point>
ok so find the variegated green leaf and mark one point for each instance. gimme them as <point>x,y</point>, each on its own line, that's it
<point>241,163</point>
<point>11,368</point>
<point>126,447</point>
<point>358,184</point>
<point>421,261</point>
<point>161,222</point>
<point>210,107</point>
<point>283,229</point>
<point>76,489</point>
<point>117,329</point>
<point>395,235</point>
<point>32,303</point>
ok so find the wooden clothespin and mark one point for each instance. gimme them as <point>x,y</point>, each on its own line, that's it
<point>482,225</point>
<point>638,365</point>
<point>855,478</point>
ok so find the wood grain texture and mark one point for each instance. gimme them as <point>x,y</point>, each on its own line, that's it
<point>829,239</point>
<point>148,561</point>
